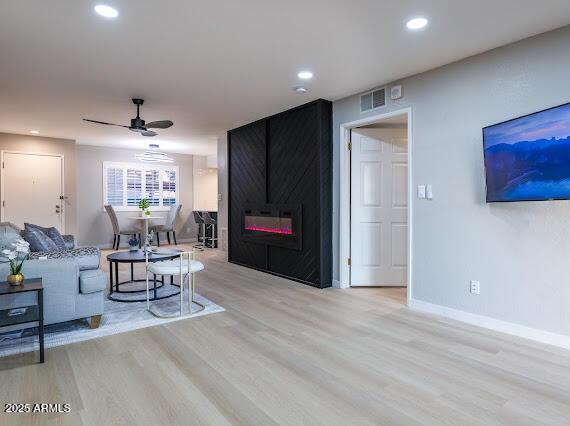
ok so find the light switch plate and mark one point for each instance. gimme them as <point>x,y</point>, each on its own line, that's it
<point>429,192</point>
<point>421,191</point>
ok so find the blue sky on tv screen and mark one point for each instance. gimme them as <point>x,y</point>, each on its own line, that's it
<point>553,123</point>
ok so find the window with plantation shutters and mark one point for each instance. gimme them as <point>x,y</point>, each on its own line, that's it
<point>125,184</point>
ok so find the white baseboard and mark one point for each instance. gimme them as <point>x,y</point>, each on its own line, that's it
<point>336,283</point>
<point>535,334</point>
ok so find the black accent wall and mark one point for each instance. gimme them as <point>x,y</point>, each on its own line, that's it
<point>285,159</point>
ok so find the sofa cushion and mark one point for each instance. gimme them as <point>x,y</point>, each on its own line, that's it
<point>52,233</point>
<point>38,240</point>
<point>87,257</point>
<point>69,241</point>
<point>92,281</point>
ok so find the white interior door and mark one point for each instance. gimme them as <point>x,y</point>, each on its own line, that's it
<point>379,207</point>
<point>32,185</point>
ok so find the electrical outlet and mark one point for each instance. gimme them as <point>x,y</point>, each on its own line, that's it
<point>475,287</point>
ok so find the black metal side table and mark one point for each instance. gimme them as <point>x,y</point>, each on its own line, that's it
<point>34,313</point>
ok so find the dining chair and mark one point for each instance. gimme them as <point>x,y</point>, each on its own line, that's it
<point>185,266</point>
<point>169,224</point>
<point>119,229</point>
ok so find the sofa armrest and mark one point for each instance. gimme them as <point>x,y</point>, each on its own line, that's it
<point>69,241</point>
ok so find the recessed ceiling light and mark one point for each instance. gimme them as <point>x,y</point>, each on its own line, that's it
<point>305,75</point>
<point>34,132</point>
<point>416,23</point>
<point>300,89</point>
<point>106,11</point>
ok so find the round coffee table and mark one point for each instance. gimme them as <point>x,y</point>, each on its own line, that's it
<point>133,257</point>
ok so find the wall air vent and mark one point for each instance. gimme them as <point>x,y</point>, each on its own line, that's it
<point>372,100</point>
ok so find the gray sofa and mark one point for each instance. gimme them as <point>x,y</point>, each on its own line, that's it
<point>74,284</point>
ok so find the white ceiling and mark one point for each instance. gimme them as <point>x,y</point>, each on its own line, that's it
<point>212,65</point>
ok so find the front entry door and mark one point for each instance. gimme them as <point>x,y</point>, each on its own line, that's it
<point>379,207</point>
<point>32,185</point>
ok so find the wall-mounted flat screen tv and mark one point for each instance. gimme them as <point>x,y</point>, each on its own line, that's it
<point>528,158</point>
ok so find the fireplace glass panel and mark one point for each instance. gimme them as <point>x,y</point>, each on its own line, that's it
<point>269,224</point>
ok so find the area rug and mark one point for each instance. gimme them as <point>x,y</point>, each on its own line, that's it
<point>118,317</point>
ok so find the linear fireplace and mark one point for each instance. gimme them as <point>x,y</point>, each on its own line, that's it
<point>275,225</point>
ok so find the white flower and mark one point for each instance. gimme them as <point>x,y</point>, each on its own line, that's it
<point>7,251</point>
<point>11,256</point>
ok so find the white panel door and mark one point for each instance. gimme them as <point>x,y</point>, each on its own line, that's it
<point>379,207</point>
<point>32,185</point>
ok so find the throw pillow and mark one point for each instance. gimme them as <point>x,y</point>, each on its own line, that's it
<point>52,233</point>
<point>38,240</point>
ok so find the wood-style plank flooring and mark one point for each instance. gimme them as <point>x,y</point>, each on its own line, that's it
<point>284,353</point>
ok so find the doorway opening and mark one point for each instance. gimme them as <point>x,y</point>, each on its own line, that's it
<point>376,204</point>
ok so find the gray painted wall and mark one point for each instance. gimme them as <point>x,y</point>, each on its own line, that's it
<point>94,227</point>
<point>519,251</point>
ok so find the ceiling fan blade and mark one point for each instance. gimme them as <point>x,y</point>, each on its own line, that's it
<point>163,124</point>
<point>102,122</point>
<point>149,133</point>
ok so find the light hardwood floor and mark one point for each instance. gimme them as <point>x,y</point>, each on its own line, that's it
<point>284,353</point>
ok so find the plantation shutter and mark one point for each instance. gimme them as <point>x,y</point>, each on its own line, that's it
<point>152,187</point>
<point>134,186</point>
<point>168,187</point>
<point>114,186</point>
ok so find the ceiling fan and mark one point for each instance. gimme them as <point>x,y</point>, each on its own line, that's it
<point>138,124</point>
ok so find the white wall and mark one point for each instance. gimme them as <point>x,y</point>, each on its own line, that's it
<point>205,185</point>
<point>94,226</point>
<point>519,251</point>
<point>223,190</point>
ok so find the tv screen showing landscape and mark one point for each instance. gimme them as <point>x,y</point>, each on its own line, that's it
<point>528,158</point>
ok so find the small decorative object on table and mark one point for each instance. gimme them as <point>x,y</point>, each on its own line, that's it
<point>16,256</point>
<point>148,241</point>
<point>133,244</point>
<point>144,205</point>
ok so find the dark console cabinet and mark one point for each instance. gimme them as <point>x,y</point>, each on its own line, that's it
<point>280,194</point>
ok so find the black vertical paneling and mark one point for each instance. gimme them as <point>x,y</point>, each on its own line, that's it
<point>326,189</point>
<point>247,186</point>
<point>293,178</point>
<point>285,159</point>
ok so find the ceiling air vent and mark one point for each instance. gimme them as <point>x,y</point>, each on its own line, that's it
<point>373,100</point>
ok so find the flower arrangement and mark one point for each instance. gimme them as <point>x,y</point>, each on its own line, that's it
<point>16,257</point>
<point>144,205</point>
<point>134,243</point>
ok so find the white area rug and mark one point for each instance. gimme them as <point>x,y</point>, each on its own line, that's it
<point>117,318</point>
